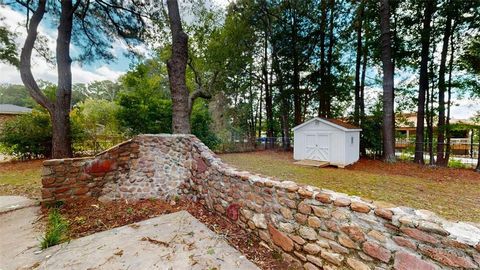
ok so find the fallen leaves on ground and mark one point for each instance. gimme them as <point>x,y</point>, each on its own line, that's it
<point>89,216</point>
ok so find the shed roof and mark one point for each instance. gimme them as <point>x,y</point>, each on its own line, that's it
<point>337,123</point>
<point>13,109</point>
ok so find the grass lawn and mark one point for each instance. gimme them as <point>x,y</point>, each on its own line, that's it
<point>21,178</point>
<point>452,193</point>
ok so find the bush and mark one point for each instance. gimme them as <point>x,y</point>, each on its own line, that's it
<point>454,163</point>
<point>201,125</point>
<point>137,115</point>
<point>95,126</point>
<point>28,136</point>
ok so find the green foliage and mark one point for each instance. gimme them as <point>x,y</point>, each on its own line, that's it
<point>57,230</point>
<point>201,123</point>
<point>97,117</point>
<point>28,136</point>
<point>95,125</point>
<point>371,135</point>
<point>138,114</point>
<point>457,164</point>
<point>16,95</point>
<point>8,49</point>
<point>470,59</point>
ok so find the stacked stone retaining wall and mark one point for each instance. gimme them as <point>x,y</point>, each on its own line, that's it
<point>313,228</point>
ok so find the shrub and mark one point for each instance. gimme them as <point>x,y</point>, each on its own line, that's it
<point>138,114</point>
<point>95,125</point>
<point>454,163</point>
<point>201,124</point>
<point>28,136</point>
<point>57,229</point>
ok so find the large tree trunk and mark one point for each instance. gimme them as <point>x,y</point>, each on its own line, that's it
<point>284,103</point>
<point>268,91</point>
<point>425,53</point>
<point>61,140</point>
<point>363,150</point>
<point>322,95</point>
<point>60,109</point>
<point>430,114</point>
<point>328,77</point>
<point>358,62</point>
<point>388,102</point>
<point>177,65</point>
<point>477,169</point>
<point>260,112</point>
<point>449,99</point>
<point>297,94</point>
<point>441,93</point>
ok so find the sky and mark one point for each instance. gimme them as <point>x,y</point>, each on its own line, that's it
<point>96,71</point>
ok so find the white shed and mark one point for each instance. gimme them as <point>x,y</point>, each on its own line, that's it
<point>329,140</point>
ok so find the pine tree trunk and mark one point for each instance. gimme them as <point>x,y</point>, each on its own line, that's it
<point>358,62</point>
<point>430,103</point>
<point>60,109</point>
<point>177,65</point>
<point>268,93</point>
<point>260,112</point>
<point>61,139</point>
<point>388,102</point>
<point>477,169</point>
<point>328,76</point>
<point>322,95</point>
<point>425,53</point>
<point>441,94</point>
<point>297,94</point>
<point>449,99</point>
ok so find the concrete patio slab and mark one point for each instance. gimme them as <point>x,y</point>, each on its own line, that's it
<point>19,238</point>
<point>10,203</point>
<point>173,241</point>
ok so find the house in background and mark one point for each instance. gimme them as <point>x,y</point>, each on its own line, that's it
<point>462,131</point>
<point>327,140</point>
<point>9,111</point>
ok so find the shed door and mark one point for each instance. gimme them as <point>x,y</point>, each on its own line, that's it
<point>318,146</point>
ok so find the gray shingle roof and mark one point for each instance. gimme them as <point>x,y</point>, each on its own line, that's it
<point>13,109</point>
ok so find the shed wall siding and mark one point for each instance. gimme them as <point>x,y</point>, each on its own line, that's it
<point>341,149</point>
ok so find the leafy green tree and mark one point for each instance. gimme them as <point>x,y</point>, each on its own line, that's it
<point>91,25</point>
<point>201,124</point>
<point>8,48</point>
<point>144,114</point>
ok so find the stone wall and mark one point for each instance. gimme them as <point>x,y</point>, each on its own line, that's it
<point>312,227</point>
<point>319,228</point>
<point>144,167</point>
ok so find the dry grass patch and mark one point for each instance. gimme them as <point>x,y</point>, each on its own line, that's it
<point>452,193</point>
<point>21,178</point>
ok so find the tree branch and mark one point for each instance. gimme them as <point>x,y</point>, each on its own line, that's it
<point>26,55</point>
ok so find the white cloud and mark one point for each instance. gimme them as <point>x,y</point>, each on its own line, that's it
<point>15,21</point>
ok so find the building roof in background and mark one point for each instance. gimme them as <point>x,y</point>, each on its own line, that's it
<point>13,109</point>
<point>409,121</point>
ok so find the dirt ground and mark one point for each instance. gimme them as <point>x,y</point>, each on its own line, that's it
<point>452,193</point>
<point>89,216</point>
